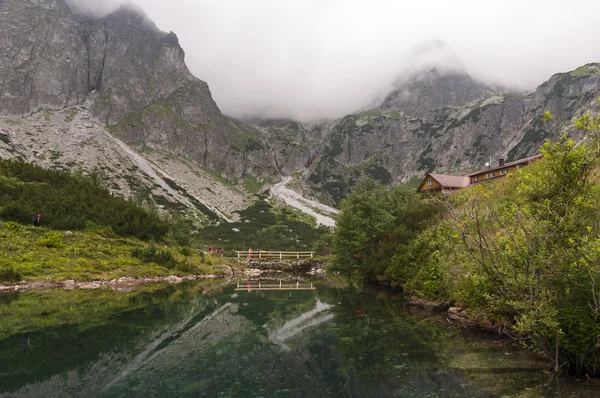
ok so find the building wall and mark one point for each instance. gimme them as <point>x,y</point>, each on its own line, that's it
<point>425,184</point>
<point>487,175</point>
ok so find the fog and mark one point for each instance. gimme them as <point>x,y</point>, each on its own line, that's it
<point>318,59</point>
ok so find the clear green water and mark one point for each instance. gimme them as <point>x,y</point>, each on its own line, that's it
<point>196,340</point>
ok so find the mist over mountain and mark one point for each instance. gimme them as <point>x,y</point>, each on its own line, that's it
<point>323,59</point>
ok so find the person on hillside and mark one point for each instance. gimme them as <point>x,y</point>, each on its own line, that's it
<point>249,253</point>
<point>36,219</point>
<point>222,252</point>
<point>210,250</point>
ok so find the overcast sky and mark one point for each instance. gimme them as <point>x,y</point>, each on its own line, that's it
<point>309,59</point>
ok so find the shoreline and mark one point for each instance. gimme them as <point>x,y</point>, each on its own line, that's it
<point>123,283</point>
<point>129,282</point>
<point>463,317</point>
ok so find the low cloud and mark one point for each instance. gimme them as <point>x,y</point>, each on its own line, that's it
<point>318,59</point>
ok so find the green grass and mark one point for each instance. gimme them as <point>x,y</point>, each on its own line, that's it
<point>394,115</point>
<point>252,185</point>
<point>34,254</point>
<point>584,71</point>
<point>218,177</point>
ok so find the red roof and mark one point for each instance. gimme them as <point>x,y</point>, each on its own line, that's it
<point>505,165</point>
<point>451,181</point>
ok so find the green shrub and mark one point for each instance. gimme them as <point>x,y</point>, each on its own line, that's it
<point>164,258</point>
<point>8,273</point>
<point>51,239</point>
<point>185,251</point>
<point>12,226</point>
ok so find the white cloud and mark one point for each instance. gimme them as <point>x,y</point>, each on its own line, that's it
<point>327,58</point>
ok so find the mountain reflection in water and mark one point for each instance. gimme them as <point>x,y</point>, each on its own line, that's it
<point>201,339</point>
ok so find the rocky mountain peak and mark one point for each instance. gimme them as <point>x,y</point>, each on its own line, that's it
<point>435,88</point>
<point>129,13</point>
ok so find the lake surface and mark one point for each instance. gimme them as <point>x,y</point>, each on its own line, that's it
<point>209,340</point>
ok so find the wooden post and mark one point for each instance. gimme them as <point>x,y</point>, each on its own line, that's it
<point>280,283</point>
<point>311,254</point>
<point>311,285</point>
<point>280,256</point>
<point>259,285</point>
<point>297,255</point>
<point>297,284</point>
<point>259,253</point>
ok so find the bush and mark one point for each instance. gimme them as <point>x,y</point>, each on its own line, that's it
<point>164,258</point>
<point>51,239</point>
<point>12,226</point>
<point>154,255</point>
<point>8,273</point>
<point>185,251</point>
<point>376,223</point>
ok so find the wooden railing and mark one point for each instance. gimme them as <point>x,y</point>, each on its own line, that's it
<point>273,255</point>
<point>249,286</point>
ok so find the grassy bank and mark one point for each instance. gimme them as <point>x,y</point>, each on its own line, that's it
<point>34,254</point>
<point>87,233</point>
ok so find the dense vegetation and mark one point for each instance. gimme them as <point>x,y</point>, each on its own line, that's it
<point>376,226</point>
<point>70,202</point>
<point>263,225</point>
<point>523,251</point>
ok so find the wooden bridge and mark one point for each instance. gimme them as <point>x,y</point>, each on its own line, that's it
<point>273,255</point>
<point>249,286</point>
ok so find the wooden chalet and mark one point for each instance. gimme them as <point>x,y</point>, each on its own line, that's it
<point>446,183</point>
<point>501,170</point>
<point>443,182</point>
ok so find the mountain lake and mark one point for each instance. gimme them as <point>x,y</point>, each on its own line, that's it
<point>210,339</point>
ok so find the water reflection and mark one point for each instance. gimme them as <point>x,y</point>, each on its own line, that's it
<point>201,339</point>
<point>293,327</point>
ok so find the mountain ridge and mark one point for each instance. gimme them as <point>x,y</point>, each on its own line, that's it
<point>402,140</point>
<point>126,77</point>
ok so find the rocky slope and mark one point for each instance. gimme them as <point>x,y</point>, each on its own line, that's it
<point>74,140</point>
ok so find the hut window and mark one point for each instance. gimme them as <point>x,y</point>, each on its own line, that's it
<point>429,183</point>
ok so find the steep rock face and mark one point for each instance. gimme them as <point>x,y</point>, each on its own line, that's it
<point>150,98</point>
<point>43,63</point>
<point>133,63</point>
<point>51,59</point>
<point>447,131</point>
<point>292,145</point>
